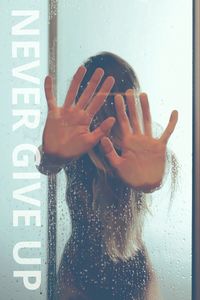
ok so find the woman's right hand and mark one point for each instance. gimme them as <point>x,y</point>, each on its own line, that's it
<point>66,133</point>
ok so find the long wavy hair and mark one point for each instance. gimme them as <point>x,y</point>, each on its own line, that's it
<point>120,208</point>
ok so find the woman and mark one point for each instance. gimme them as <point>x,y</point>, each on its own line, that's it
<point>111,160</point>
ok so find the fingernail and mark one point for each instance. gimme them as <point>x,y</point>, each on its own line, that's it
<point>99,71</point>
<point>118,96</point>
<point>82,69</point>
<point>111,78</point>
<point>129,92</point>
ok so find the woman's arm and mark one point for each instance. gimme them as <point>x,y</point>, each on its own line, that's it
<point>50,164</point>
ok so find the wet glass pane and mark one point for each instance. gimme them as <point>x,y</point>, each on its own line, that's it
<point>155,38</point>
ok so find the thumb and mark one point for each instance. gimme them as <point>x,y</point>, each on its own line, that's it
<point>103,129</point>
<point>110,151</point>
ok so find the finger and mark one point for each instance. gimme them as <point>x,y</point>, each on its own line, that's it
<point>102,130</point>
<point>170,127</point>
<point>121,115</point>
<point>90,89</point>
<point>49,94</point>
<point>146,114</point>
<point>110,152</point>
<point>133,117</point>
<point>74,87</point>
<point>101,96</point>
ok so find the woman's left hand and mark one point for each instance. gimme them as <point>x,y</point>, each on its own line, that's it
<point>143,157</point>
